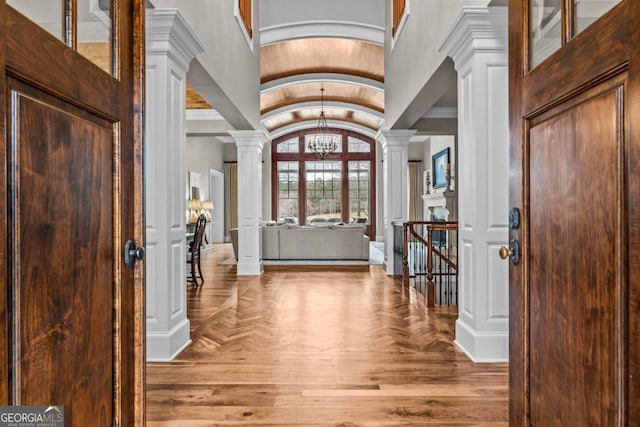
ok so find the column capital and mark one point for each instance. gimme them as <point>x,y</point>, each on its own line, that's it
<point>168,32</point>
<point>395,137</point>
<point>476,29</point>
<point>249,138</point>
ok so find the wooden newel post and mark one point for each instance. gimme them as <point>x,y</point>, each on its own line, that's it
<point>405,254</point>
<point>430,294</point>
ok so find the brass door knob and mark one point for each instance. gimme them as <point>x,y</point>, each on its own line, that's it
<point>512,252</point>
<point>505,252</point>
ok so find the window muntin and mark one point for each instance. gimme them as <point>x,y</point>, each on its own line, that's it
<point>359,179</point>
<point>288,191</point>
<point>355,145</point>
<point>324,191</point>
<point>289,146</point>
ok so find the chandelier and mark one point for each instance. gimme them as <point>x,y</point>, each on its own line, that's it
<point>322,143</point>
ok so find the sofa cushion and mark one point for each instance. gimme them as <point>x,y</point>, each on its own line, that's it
<point>270,245</point>
<point>323,243</point>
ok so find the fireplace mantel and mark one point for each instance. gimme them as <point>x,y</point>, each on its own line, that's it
<point>446,199</point>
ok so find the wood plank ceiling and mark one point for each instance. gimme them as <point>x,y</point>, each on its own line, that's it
<point>293,71</point>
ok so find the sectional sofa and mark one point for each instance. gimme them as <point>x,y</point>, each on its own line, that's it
<point>325,242</point>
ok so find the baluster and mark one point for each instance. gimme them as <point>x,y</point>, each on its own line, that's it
<point>405,255</point>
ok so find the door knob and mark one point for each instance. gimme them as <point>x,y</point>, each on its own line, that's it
<point>505,252</point>
<point>131,253</point>
<point>513,252</point>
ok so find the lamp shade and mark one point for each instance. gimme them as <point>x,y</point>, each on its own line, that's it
<point>207,204</point>
<point>194,204</point>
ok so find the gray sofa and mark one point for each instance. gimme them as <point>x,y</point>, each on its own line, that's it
<point>327,242</point>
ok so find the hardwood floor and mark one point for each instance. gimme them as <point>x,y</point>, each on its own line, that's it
<point>320,347</point>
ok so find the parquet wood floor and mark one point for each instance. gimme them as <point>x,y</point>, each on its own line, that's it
<point>320,347</point>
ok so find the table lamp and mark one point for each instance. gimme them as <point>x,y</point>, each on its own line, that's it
<point>194,207</point>
<point>207,206</point>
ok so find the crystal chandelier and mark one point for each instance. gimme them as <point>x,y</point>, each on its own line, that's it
<point>322,143</point>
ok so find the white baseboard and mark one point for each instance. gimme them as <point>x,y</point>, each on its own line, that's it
<point>482,347</point>
<point>165,346</point>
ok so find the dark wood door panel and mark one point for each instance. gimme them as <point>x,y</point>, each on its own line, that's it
<point>63,257</point>
<point>72,315</point>
<point>576,301</point>
<point>574,173</point>
<point>80,80</point>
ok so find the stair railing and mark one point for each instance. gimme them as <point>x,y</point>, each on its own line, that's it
<point>429,260</point>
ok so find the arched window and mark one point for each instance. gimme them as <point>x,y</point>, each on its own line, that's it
<point>338,189</point>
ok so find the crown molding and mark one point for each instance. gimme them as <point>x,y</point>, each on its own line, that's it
<point>309,29</point>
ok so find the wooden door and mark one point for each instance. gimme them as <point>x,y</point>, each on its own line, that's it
<point>575,151</point>
<point>72,312</point>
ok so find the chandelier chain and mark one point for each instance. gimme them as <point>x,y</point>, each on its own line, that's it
<point>323,143</point>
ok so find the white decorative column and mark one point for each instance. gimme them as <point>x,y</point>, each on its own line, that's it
<point>171,45</point>
<point>249,144</point>
<point>477,43</point>
<point>395,158</point>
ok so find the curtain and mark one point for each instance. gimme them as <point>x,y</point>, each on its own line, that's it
<point>415,201</point>
<point>231,194</point>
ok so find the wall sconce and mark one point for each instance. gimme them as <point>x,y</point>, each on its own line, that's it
<point>207,206</point>
<point>194,208</point>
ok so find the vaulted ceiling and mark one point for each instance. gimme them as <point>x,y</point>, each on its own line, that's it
<point>293,72</point>
<point>309,55</point>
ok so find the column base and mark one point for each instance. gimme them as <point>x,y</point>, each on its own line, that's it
<point>388,268</point>
<point>482,347</point>
<point>165,346</point>
<point>249,268</point>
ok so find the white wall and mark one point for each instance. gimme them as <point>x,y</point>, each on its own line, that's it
<point>266,182</point>
<point>415,57</point>
<point>204,153</point>
<point>230,153</point>
<point>278,12</point>
<point>416,151</point>
<point>379,194</point>
<point>227,57</point>
<point>434,145</point>
<point>437,143</point>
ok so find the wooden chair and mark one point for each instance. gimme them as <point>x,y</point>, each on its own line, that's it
<point>193,253</point>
